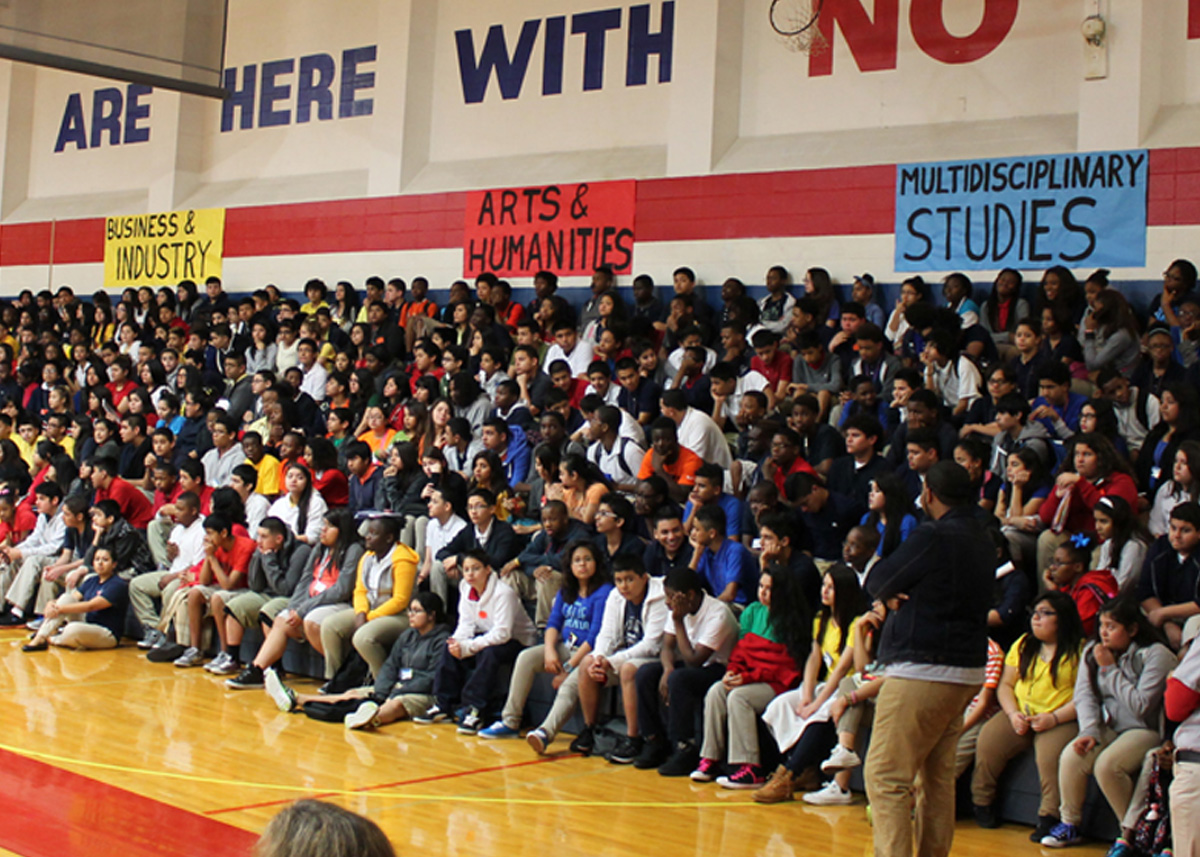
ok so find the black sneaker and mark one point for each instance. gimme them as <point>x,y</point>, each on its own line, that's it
<point>626,750</point>
<point>585,742</point>
<point>11,620</point>
<point>434,714</point>
<point>1044,825</point>
<point>985,817</point>
<point>654,752</point>
<point>251,677</point>
<point>165,654</point>
<point>471,723</point>
<point>682,762</point>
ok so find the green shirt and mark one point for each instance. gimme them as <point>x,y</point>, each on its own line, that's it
<point>756,619</point>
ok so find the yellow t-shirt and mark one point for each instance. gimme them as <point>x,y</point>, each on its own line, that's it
<point>1037,693</point>
<point>269,475</point>
<point>830,652</point>
<point>25,448</point>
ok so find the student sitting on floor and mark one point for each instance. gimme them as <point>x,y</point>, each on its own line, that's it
<point>492,630</point>
<point>775,638</point>
<point>324,589</point>
<point>404,687</point>
<point>571,632</point>
<point>89,617</point>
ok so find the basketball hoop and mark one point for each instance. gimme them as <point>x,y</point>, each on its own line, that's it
<point>795,21</point>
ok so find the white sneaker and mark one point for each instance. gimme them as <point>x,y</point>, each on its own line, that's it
<point>191,657</point>
<point>283,696</point>
<point>362,716</point>
<point>215,662</point>
<point>831,794</point>
<point>222,664</point>
<point>841,759</point>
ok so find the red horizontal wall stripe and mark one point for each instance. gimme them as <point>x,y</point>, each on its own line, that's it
<point>78,241</point>
<point>800,203</point>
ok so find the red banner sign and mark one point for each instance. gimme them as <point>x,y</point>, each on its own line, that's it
<point>568,229</point>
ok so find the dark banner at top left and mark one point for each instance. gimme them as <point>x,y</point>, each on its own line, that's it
<point>568,229</point>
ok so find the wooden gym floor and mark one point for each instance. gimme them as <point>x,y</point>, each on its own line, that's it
<point>103,753</point>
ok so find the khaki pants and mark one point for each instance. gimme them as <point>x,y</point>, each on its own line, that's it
<point>528,665</point>
<point>413,534</point>
<point>917,724</point>
<point>964,753</point>
<point>1185,798</point>
<point>144,591</point>
<point>999,744</point>
<point>28,582</point>
<point>247,606</point>
<point>439,583</point>
<point>854,715</point>
<point>1116,761</point>
<point>731,717</point>
<point>175,610</point>
<point>530,589</point>
<point>373,640</point>
<point>158,532</point>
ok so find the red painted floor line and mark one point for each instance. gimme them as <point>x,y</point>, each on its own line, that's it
<point>399,783</point>
<point>51,812</point>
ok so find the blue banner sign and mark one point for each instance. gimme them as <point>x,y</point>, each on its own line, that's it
<point>1085,210</point>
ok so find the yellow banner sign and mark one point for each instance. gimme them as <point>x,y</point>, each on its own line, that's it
<point>162,249</point>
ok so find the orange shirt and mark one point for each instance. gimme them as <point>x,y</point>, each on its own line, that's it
<point>683,470</point>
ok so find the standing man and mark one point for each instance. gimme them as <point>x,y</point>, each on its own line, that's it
<point>936,587</point>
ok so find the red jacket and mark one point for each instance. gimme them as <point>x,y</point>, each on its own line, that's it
<point>756,659</point>
<point>1089,591</point>
<point>1084,495</point>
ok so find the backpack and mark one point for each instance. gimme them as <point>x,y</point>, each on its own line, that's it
<point>1152,833</point>
<point>622,443</point>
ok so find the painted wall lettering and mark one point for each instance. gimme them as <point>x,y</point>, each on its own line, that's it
<point>873,42</point>
<point>108,125</point>
<point>476,68</point>
<point>1083,210</point>
<point>278,91</point>
<point>570,229</point>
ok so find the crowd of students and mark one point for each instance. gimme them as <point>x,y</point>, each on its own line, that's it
<point>445,499</point>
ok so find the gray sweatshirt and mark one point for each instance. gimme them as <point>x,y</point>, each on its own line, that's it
<point>1131,690</point>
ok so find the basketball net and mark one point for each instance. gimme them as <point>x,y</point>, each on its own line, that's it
<point>795,22</point>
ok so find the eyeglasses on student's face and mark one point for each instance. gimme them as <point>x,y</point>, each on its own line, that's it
<point>1044,613</point>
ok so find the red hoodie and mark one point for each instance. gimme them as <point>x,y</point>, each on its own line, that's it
<point>1089,591</point>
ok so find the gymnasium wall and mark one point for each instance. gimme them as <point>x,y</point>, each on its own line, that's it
<point>359,135</point>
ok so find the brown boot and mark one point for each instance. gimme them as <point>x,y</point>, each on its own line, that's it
<point>779,788</point>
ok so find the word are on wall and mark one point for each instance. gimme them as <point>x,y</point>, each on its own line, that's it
<point>569,229</point>
<point>269,96</point>
<point>873,39</point>
<point>1086,209</point>
<point>164,248</point>
<point>510,68</point>
<point>120,116</point>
